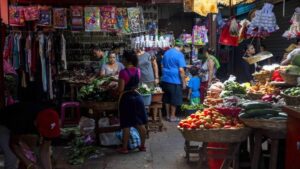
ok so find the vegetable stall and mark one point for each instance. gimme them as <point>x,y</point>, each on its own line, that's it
<point>235,112</point>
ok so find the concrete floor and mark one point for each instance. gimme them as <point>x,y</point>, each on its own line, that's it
<point>164,151</point>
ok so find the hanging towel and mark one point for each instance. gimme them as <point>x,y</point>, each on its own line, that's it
<point>63,52</point>
<point>43,61</point>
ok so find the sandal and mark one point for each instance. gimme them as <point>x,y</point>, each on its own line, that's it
<point>122,151</point>
<point>142,148</point>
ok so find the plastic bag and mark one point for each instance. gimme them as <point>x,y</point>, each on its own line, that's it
<point>134,139</point>
<point>87,126</point>
<point>108,139</point>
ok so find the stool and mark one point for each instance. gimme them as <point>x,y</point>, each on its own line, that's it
<point>63,108</point>
<point>274,135</point>
<point>155,122</point>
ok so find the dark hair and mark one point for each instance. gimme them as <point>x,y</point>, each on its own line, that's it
<point>264,46</point>
<point>111,52</point>
<point>96,48</point>
<point>131,57</point>
<point>247,46</point>
<point>194,71</point>
<point>210,51</point>
<point>298,40</point>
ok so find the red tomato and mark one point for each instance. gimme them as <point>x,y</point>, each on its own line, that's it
<point>207,125</point>
<point>192,116</point>
<point>227,126</point>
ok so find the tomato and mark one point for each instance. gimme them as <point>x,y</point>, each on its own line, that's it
<point>194,126</point>
<point>192,116</point>
<point>199,122</point>
<point>185,125</point>
<point>181,124</point>
<point>219,121</point>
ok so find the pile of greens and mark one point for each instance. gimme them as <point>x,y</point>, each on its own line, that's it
<point>100,89</point>
<point>233,88</point>
<point>145,90</point>
<point>192,107</point>
<point>80,150</point>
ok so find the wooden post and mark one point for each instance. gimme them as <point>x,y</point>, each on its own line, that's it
<point>212,31</point>
<point>2,101</point>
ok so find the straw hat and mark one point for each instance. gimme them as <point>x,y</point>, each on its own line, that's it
<point>291,47</point>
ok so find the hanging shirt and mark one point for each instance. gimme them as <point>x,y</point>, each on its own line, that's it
<point>43,61</point>
<point>16,54</point>
<point>63,51</point>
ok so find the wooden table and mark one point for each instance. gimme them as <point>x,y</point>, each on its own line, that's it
<point>98,109</point>
<point>274,136</point>
<point>292,156</point>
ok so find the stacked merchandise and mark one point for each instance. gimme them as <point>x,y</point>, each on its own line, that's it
<point>294,30</point>
<point>92,18</point>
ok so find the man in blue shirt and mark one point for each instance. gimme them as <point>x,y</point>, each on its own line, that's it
<point>173,64</point>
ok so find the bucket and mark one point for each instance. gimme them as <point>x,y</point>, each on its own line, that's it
<point>147,99</point>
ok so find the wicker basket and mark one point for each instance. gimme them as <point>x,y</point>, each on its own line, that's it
<point>291,100</point>
<point>216,135</point>
<point>254,96</point>
<point>265,124</point>
<point>157,97</point>
<point>289,79</point>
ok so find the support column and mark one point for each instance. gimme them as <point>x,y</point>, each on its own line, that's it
<point>213,31</point>
<point>2,101</point>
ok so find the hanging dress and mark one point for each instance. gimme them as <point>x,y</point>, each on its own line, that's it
<point>263,23</point>
<point>131,105</point>
<point>294,30</point>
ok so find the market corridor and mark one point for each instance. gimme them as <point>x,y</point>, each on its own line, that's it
<point>164,151</point>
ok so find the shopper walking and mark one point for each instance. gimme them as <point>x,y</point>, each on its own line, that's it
<point>23,126</point>
<point>111,68</point>
<point>173,82</point>
<point>148,67</point>
<point>131,105</point>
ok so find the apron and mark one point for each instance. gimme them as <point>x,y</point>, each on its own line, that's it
<point>131,105</point>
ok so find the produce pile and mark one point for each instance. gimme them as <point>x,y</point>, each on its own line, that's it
<point>213,94</point>
<point>233,88</point>
<point>192,107</point>
<point>210,118</point>
<point>80,150</point>
<point>294,91</point>
<point>263,89</point>
<point>100,89</point>
<point>261,110</point>
<point>77,76</point>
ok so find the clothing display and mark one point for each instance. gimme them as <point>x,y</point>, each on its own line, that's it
<point>31,13</point>
<point>152,41</point>
<point>294,30</point>
<point>226,38</point>
<point>200,35</point>
<point>77,18</point>
<point>16,16</point>
<point>108,18</point>
<point>32,57</point>
<point>263,23</point>
<point>122,20</point>
<point>45,18</point>
<point>135,19</point>
<point>92,19</point>
<point>60,18</point>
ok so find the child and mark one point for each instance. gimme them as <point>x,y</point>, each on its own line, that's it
<point>194,87</point>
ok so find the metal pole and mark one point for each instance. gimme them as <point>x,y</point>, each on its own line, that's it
<point>2,101</point>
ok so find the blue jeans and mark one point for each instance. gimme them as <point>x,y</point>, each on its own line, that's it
<point>10,160</point>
